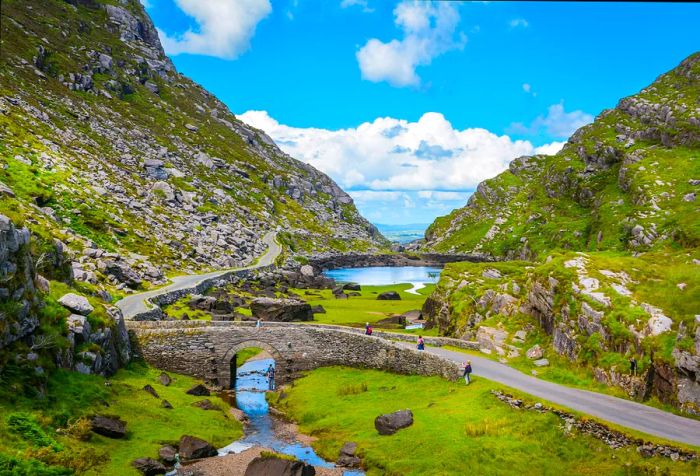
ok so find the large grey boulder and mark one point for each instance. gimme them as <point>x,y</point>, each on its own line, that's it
<point>108,426</point>
<point>199,390</point>
<point>347,456</point>
<point>281,310</point>
<point>192,447</point>
<point>390,423</point>
<point>123,273</point>
<point>271,466</point>
<point>76,304</point>
<point>167,454</point>
<point>80,328</point>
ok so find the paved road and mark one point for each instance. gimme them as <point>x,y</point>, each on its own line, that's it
<point>135,303</point>
<point>612,409</point>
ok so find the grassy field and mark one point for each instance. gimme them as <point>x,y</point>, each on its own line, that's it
<point>457,430</point>
<point>71,396</point>
<point>357,310</point>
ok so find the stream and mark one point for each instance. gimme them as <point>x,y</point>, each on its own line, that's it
<point>251,385</point>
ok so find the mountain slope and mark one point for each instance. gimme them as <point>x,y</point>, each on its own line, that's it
<point>601,252</point>
<point>104,146</point>
<point>628,181</point>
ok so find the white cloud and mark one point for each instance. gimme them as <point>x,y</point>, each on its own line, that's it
<point>550,149</point>
<point>526,87</point>
<point>394,155</point>
<point>428,31</point>
<point>557,122</point>
<point>359,3</point>
<point>224,27</point>
<point>519,22</point>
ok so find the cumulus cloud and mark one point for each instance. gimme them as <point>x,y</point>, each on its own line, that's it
<point>401,171</point>
<point>556,123</point>
<point>429,30</point>
<point>519,23</point>
<point>224,27</point>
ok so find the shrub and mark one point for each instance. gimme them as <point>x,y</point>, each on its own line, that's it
<point>80,429</point>
<point>20,467</point>
<point>352,389</point>
<point>26,426</point>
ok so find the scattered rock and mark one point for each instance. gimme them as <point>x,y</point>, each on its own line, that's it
<point>389,296</point>
<point>535,352</point>
<point>271,466</point>
<point>149,389</point>
<point>281,310</point>
<point>390,423</point>
<point>307,270</point>
<point>491,274</point>
<point>166,404</point>
<point>199,390</point>
<point>149,466</point>
<point>205,405</point>
<point>108,426</point>
<point>76,304</point>
<point>318,309</point>
<point>347,456</point>
<point>352,287</point>
<point>541,362</point>
<point>192,447</point>
<point>164,379</point>
<point>168,454</point>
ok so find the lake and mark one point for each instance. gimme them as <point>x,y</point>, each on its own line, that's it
<point>384,275</point>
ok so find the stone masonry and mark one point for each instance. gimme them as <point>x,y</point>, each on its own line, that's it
<point>205,349</point>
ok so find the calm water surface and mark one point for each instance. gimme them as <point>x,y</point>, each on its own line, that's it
<point>384,275</point>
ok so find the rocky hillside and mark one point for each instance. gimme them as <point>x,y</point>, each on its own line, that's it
<point>138,171</point>
<point>628,181</point>
<point>607,238</point>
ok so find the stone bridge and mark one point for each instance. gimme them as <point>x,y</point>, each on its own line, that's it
<point>207,349</point>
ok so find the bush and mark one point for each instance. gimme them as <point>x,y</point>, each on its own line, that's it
<point>352,389</point>
<point>80,429</point>
<point>26,426</point>
<point>19,467</point>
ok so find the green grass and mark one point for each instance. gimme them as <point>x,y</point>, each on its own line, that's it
<point>179,308</point>
<point>246,354</point>
<point>358,310</point>
<point>457,429</point>
<point>71,396</point>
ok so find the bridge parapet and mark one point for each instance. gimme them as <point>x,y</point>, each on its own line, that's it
<point>205,349</point>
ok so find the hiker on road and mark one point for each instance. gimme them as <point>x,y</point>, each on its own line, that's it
<point>421,343</point>
<point>467,371</point>
<point>271,377</point>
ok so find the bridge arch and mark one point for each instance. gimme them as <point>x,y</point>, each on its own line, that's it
<point>227,364</point>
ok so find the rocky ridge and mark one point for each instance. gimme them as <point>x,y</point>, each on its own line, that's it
<point>135,168</point>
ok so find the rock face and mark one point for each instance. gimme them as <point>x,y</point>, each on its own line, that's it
<point>109,427</point>
<point>194,448</point>
<point>177,182</point>
<point>390,423</point>
<point>268,466</point>
<point>281,310</point>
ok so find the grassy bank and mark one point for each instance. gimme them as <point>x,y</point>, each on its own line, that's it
<point>357,310</point>
<point>457,429</point>
<point>54,430</point>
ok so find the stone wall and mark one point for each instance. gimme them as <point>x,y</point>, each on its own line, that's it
<point>204,349</point>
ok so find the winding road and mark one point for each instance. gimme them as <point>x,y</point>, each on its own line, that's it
<point>136,303</point>
<point>605,407</point>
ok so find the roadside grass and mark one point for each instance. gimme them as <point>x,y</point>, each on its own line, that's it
<point>179,308</point>
<point>357,310</point>
<point>457,430</point>
<point>71,397</point>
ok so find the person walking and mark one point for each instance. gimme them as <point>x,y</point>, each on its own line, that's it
<point>421,343</point>
<point>633,366</point>
<point>467,371</point>
<point>368,329</point>
<point>271,377</point>
<point>258,323</point>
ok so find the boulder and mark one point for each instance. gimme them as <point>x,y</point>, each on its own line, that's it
<point>203,303</point>
<point>318,309</point>
<point>535,352</point>
<point>389,296</point>
<point>199,390</point>
<point>205,405</point>
<point>352,287</point>
<point>222,307</point>
<point>347,456</point>
<point>192,447</point>
<point>149,389</point>
<point>307,270</point>
<point>149,466</point>
<point>166,404</point>
<point>123,273</point>
<point>164,379</point>
<point>390,423</point>
<point>168,454</point>
<point>541,362</point>
<point>76,304</point>
<point>271,466</point>
<point>80,328</point>
<point>109,426</point>
<point>281,310</point>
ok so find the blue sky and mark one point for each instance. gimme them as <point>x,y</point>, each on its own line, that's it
<point>409,105</point>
